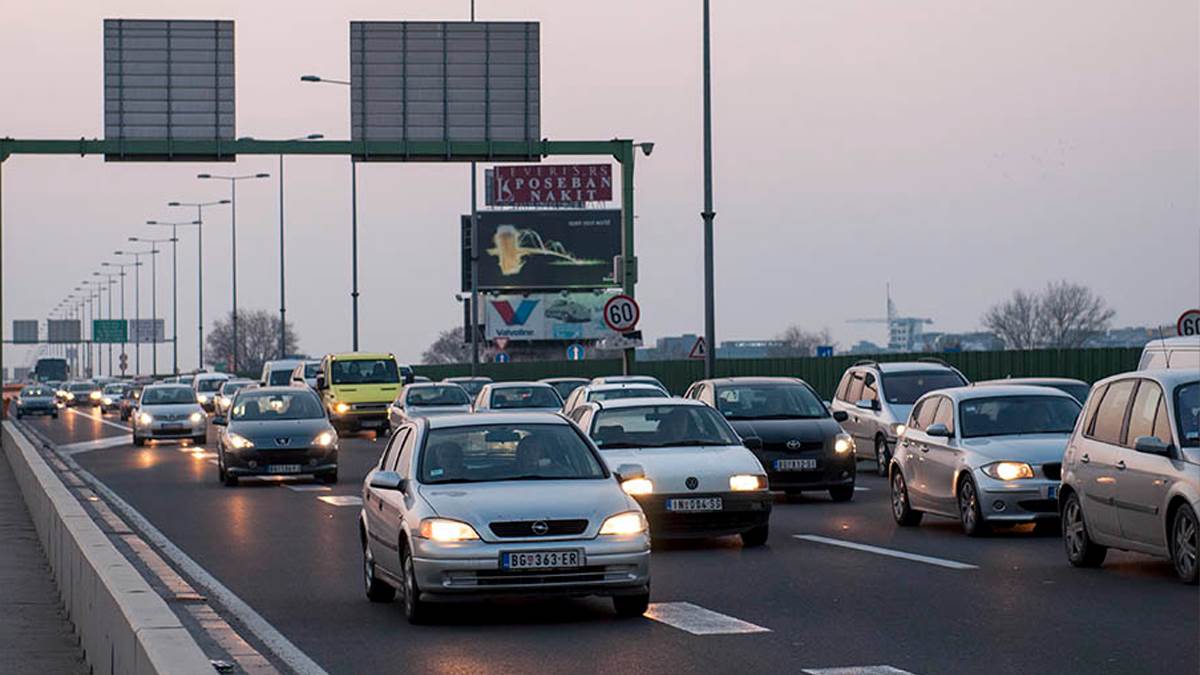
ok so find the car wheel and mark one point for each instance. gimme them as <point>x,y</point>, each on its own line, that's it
<point>139,441</point>
<point>969,511</point>
<point>19,415</point>
<point>631,606</point>
<point>54,416</point>
<point>329,478</point>
<point>902,509</point>
<point>1081,550</point>
<point>756,536</point>
<point>1184,545</point>
<point>377,589</point>
<point>883,456</point>
<point>227,478</point>
<point>416,610</point>
<point>200,440</point>
<point>842,494</point>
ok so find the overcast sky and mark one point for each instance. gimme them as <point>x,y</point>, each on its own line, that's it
<point>956,149</point>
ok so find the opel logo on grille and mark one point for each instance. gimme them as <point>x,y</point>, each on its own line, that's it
<point>282,441</point>
<point>692,483</point>
<point>540,527</point>
<point>794,444</point>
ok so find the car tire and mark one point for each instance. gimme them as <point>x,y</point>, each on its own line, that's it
<point>883,456</point>
<point>902,510</point>
<point>227,479</point>
<point>1185,538</point>
<point>200,440</point>
<point>970,512</point>
<point>756,536</point>
<point>631,606</point>
<point>54,416</point>
<point>329,477</point>
<point>19,415</point>
<point>416,610</point>
<point>842,493</point>
<point>139,442</point>
<point>1081,550</point>
<point>377,589</point>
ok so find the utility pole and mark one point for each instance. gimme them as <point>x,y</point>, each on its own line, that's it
<point>710,339</point>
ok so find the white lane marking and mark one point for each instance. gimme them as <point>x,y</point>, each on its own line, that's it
<point>307,488</point>
<point>928,560</point>
<point>213,462</point>
<point>341,500</point>
<point>97,444</point>
<point>101,420</point>
<point>270,636</point>
<point>859,488</point>
<point>699,621</point>
<point>858,670</point>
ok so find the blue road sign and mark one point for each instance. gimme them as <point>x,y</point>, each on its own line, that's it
<point>502,357</point>
<point>575,352</point>
<point>824,350</point>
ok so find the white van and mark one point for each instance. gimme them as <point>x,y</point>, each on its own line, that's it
<point>1173,352</point>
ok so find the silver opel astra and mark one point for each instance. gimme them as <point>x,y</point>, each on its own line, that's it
<point>475,507</point>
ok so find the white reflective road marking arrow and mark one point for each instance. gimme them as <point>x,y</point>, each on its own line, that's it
<point>699,621</point>
<point>928,560</point>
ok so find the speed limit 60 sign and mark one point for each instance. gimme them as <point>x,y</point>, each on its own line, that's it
<point>1188,324</point>
<point>621,313</point>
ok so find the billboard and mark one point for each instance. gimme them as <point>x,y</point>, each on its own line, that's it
<point>546,316</point>
<point>25,332</point>
<point>547,249</point>
<point>556,184</point>
<point>63,330</point>
<point>168,80</point>
<point>146,330</point>
<point>445,81</point>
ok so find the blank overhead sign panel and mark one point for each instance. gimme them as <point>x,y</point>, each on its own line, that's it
<point>168,80</point>
<point>445,81</point>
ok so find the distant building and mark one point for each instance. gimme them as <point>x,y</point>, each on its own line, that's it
<point>866,347</point>
<point>977,341</point>
<point>1131,336</point>
<point>749,349</point>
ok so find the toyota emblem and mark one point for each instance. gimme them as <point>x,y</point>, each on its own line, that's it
<point>540,527</point>
<point>794,444</point>
<point>692,483</point>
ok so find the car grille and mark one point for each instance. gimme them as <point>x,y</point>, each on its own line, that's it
<point>524,528</point>
<point>805,446</point>
<point>170,417</point>
<point>684,523</point>
<point>1053,470</point>
<point>1039,505</point>
<point>368,407</point>
<point>581,575</point>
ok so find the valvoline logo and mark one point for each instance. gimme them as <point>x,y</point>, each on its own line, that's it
<point>518,316</point>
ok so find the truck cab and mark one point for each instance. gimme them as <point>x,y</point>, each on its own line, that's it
<point>356,389</point>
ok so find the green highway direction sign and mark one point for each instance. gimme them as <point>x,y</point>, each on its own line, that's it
<point>113,331</point>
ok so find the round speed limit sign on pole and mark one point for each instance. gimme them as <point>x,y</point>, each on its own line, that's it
<point>621,313</point>
<point>1188,324</point>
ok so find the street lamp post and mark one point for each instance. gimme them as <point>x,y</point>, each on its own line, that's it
<point>137,304</point>
<point>199,223</point>
<point>121,267</point>
<point>174,287</point>
<point>282,284</point>
<point>108,284</point>
<point>710,340</point>
<point>173,240</point>
<point>233,181</point>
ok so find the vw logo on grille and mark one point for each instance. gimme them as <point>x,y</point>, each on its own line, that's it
<point>540,527</point>
<point>692,483</point>
<point>282,441</point>
<point>794,444</point>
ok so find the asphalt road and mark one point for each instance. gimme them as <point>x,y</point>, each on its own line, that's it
<point>1005,604</point>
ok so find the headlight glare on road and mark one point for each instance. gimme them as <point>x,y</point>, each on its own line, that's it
<point>1008,470</point>
<point>843,443</point>
<point>196,417</point>
<point>238,441</point>
<point>144,419</point>
<point>898,429</point>
<point>638,486</point>
<point>630,522</point>
<point>341,407</point>
<point>746,482</point>
<point>445,530</point>
<point>325,439</point>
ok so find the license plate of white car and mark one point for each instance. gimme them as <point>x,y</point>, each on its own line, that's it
<point>283,468</point>
<point>796,465</point>
<point>695,504</point>
<point>172,426</point>
<point>541,560</point>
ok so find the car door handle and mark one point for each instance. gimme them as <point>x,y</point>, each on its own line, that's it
<point>1121,465</point>
<point>1085,459</point>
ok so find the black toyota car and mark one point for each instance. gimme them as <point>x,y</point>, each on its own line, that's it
<point>803,447</point>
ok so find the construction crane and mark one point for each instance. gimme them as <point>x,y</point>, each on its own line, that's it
<point>902,330</point>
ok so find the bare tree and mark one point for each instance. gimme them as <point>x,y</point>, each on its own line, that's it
<point>799,342</point>
<point>1070,314</point>
<point>258,340</point>
<point>1015,320</point>
<point>447,348</point>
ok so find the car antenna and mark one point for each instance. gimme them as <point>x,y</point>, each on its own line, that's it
<point>1166,352</point>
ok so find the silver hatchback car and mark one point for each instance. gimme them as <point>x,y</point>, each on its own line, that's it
<point>1131,473</point>
<point>475,506</point>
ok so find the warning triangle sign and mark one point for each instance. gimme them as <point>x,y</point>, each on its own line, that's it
<point>699,350</point>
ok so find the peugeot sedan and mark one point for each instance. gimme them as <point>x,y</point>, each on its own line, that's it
<point>276,431</point>
<point>428,400</point>
<point>983,455</point>
<point>470,506</point>
<point>169,411</point>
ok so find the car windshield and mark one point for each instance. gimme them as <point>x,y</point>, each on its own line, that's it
<point>541,396</point>
<point>564,388</point>
<point>276,405</point>
<point>167,395</point>
<point>364,371</point>
<point>771,401</point>
<point>229,388</point>
<point>80,386</point>
<point>310,369</point>
<point>503,452</point>
<point>1187,411</point>
<point>277,378</point>
<point>115,389</point>
<point>906,388</point>
<point>626,392</point>
<point>659,426</point>
<point>1013,415</point>
<point>449,394</point>
<point>210,384</point>
<point>1079,391</point>
<point>34,392</point>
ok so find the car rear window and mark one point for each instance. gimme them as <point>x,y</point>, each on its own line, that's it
<point>507,452</point>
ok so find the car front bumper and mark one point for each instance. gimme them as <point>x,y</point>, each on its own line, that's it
<point>157,430</point>
<point>1017,501</point>
<point>360,420</point>
<point>291,462</point>
<point>37,408</point>
<point>832,471</point>
<point>613,565</point>
<point>740,512</point>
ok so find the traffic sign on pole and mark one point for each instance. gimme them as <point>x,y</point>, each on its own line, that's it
<point>501,357</point>
<point>108,331</point>
<point>124,363</point>
<point>621,313</point>
<point>500,342</point>
<point>1188,323</point>
<point>575,352</point>
<point>699,350</point>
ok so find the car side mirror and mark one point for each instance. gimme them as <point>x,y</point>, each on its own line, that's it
<point>220,421</point>
<point>753,443</point>
<point>1151,445</point>
<point>626,472</point>
<point>939,430</point>
<point>387,480</point>
<point>320,381</point>
<point>840,416</point>
<point>866,404</point>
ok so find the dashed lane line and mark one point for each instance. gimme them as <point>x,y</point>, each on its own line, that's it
<point>96,444</point>
<point>858,670</point>
<point>307,488</point>
<point>697,620</point>
<point>341,500</point>
<point>101,420</point>
<point>904,555</point>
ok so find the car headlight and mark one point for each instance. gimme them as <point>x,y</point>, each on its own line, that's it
<point>637,486</point>
<point>746,482</point>
<point>70,396</point>
<point>238,441</point>
<point>196,417</point>
<point>1008,470</point>
<point>108,401</point>
<point>202,398</point>
<point>630,522</point>
<point>95,395</point>
<point>898,429</point>
<point>325,439</point>
<point>446,530</point>
<point>341,407</point>
<point>843,443</point>
<point>145,419</point>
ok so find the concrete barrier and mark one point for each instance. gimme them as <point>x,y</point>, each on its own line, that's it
<point>124,626</point>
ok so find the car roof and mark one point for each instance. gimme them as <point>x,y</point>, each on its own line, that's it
<point>468,378</point>
<point>754,380</point>
<point>210,376</point>
<point>493,418</point>
<point>430,385</point>
<point>361,356</point>
<point>618,386</point>
<point>166,385</point>
<point>1000,390</point>
<point>280,389</point>
<point>904,366</point>
<point>1044,381</point>
<point>512,385</point>
<point>552,380</point>
<point>1174,342</point>
<point>290,364</point>
<point>642,402</point>
<point>1170,377</point>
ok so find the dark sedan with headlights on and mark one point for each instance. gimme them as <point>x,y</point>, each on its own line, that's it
<point>276,431</point>
<point>803,446</point>
<point>36,399</point>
